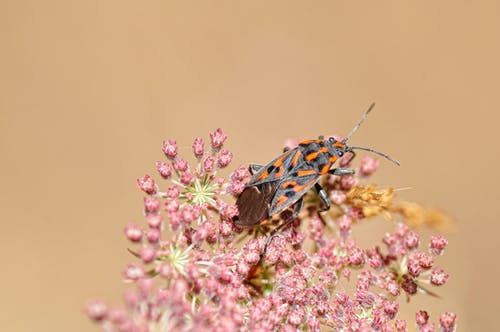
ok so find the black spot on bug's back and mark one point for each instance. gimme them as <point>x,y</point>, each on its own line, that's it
<point>270,169</point>
<point>289,193</point>
<point>289,186</point>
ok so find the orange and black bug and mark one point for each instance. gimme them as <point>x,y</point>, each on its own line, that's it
<point>285,180</point>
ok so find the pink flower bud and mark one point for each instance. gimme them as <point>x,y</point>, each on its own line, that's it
<point>198,147</point>
<point>231,211</point>
<point>154,220</point>
<point>172,205</point>
<point>426,261</point>
<point>151,204</point>
<point>208,164</point>
<point>337,196</point>
<point>344,222</point>
<point>153,235</point>
<point>133,272</point>
<point>170,148</point>
<point>439,277</point>
<point>147,254</point>
<point>391,308</point>
<point>133,232</point>
<point>448,321</point>
<point>187,178</point>
<point>164,169</point>
<point>392,287</point>
<point>422,317</point>
<point>356,256</point>
<point>188,214</point>
<point>437,245</point>
<point>147,184</point>
<point>180,165</point>
<point>297,315</point>
<point>173,191</point>
<point>237,187</point>
<point>368,165</point>
<point>96,310</point>
<point>409,285</point>
<point>217,139</point>
<point>414,268</point>
<point>347,182</point>
<point>241,173</point>
<point>224,158</point>
<point>412,240</point>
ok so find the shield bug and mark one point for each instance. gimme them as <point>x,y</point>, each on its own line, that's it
<point>285,180</point>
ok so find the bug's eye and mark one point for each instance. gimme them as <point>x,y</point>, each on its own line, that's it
<point>331,139</point>
<point>340,153</point>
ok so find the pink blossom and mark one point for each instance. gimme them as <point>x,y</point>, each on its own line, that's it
<point>96,309</point>
<point>439,277</point>
<point>198,147</point>
<point>224,158</point>
<point>208,164</point>
<point>180,165</point>
<point>133,232</point>
<point>448,322</point>
<point>170,148</point>
<point>192,268</point>
<point>368,165</point>
<point>437,244</point>
<point>164,169</point>
<point>147,184</point>
<point>217,139</point>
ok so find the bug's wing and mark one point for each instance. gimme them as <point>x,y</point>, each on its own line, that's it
<point>292,188</point>
<point>277,169</point>
<point>253,204</point>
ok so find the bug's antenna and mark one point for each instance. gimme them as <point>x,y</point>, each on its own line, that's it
<point>377,152</point>
<point>359,123</point>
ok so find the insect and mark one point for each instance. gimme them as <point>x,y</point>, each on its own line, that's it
<point>285,180</point>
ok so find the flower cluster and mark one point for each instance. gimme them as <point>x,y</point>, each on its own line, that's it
<point>195,270</point>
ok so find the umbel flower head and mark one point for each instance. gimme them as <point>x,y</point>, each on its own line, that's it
<point>192,269</point>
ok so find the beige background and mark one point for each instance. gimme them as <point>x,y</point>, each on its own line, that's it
<point>89,89</point>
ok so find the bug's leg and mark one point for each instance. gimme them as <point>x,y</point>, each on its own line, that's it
<point>296,210</point>
<point>322,195</point>
<point>341,171</point>
<point>321,137</point>
<point>285,149</point>
<point>253,168</point>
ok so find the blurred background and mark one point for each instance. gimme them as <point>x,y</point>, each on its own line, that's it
<point>89,89</point>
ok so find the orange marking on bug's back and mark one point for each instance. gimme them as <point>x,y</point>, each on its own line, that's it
<point>300,188</point>
<point>324,149</point>
<point>312,156</point>
<point>325,169</point>
<point>263,175</point>
<point>287,184</point>
<point>332,159</point>
<point>339,144</point>
<point>279,173</point>
<point>306,172</point>
<point>281,200</point>
<point>295,158</point>
<point>278,162</point>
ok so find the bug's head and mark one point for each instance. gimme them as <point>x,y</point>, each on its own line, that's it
<point>341,147</point>
<point>337,148</point>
